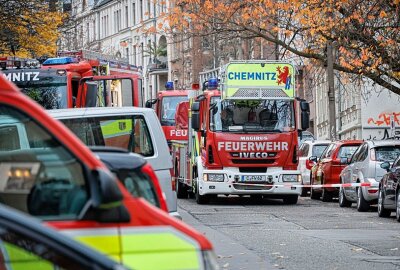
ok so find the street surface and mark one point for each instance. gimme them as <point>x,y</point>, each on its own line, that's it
<point>249,234</point>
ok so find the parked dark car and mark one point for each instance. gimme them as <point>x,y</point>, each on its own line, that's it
<point>389,190</point>
<point>134,172</point>
<point>27,244</point>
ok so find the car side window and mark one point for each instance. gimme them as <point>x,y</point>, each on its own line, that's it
<point>304,149</point>
<point>328,151</point>
<point>124,131</point>
<point>356,154</point>
<point>40,176</point>
<point>19,251</point>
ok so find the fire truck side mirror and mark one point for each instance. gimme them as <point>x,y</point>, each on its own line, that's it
<point>150,103</point>
<point>304,106</point>
<point>108,199</point>
<point>195,116</point>
<point>305,120</point>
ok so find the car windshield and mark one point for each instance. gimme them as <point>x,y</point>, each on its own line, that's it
<point>387,153</point>
<point>168,109</point>
<point>347,151</point>
<point>318,149</point>
<point>252,116</point>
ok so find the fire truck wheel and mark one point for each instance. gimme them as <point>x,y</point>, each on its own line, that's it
<point>201,199</point>
<point>290,199</point>
<point>181,190</point>
<point>304,192</point>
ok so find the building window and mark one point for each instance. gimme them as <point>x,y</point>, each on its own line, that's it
<point>134,55</point>
<point>134,13</point>
<point>148,9</point>
<point>142,53</point>
<point>141,10</point>
<point>126,17</point>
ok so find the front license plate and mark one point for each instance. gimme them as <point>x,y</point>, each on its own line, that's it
<point>253,178</point>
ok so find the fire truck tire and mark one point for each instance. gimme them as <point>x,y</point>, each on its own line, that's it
<point>290,199</point>
<point>304,192</point>
<point>202,199</point>
<point>181,190</point>
<point>314,195</point>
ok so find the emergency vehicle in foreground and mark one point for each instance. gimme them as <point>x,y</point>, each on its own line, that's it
<point>47,172</point>
<point>245,136</point>
<point>166,109</point>
<point>68,82</point>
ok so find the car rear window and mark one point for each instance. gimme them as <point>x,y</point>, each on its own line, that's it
<point>128,132</point>
<point>318,149</point>
<point>387,153</point>
<point>347,150</point>
<point>138,184</point>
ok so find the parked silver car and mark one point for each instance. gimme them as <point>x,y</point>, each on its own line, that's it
<point>364,167</point>
<point>312,148</point>
<point>132,128</point>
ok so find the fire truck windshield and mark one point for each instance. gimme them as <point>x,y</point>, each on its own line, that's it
<point>168,109</point>
<point>46,87</point>
<point>252,116</point>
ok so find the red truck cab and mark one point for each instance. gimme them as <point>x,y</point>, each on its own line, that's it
<point>166,105</point>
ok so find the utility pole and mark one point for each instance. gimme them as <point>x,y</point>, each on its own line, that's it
<point>331,91</point>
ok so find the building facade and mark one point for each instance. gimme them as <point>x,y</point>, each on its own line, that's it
<point>123,29</point>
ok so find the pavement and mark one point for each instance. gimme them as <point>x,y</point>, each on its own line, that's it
<point>230,253</point>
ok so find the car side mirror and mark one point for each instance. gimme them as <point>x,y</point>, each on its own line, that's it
<point>313,158</point>
<point>150,103</point>
<point>108,199</point>
<point>344,160</point>
<point>386,166</point>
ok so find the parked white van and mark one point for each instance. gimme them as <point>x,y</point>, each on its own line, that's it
<point>135,129</point>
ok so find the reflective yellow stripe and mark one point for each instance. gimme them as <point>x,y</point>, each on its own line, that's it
<point>147,248</point>
<point>116,127</point>
<point>19,259</point>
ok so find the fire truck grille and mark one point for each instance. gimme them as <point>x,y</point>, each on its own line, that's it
<point>259,93</point>
<point>251,187</point>
<point>253,161</point>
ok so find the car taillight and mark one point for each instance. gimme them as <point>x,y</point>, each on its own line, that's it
<point>309,164</point>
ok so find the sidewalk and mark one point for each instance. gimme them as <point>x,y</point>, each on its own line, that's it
<point>231,255</point>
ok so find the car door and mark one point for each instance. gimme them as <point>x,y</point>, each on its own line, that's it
<point>361,165</point>
<point>390,182</point>
<point>303,155</point>
<point>321,165</point>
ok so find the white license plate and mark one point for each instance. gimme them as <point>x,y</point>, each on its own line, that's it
<point>253,178</point>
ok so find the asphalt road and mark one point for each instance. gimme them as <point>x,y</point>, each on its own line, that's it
<point>266,234</point>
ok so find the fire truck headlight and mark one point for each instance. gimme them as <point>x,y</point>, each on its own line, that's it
<point>210,260</point>
<point>291,178</point>
<point>213,177</point>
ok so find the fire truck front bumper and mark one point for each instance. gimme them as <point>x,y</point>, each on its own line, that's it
<point>233,182</point>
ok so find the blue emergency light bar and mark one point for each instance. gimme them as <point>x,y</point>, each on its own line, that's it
<point>212,84</point>
<point>60,61</point>
<point>169,85</point>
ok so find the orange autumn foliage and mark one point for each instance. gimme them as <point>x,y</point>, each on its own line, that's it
<point>365,33</point>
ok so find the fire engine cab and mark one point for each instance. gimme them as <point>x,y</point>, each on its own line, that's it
<point>244,135</point>
<point>69,81</point>
<point>167,106</point>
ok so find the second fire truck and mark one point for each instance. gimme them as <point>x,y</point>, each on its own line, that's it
<point>244,139</point>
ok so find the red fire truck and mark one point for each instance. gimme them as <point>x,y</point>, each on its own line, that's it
<point>67,82</point>
<point>244,137</point>
<point>167,104</point>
